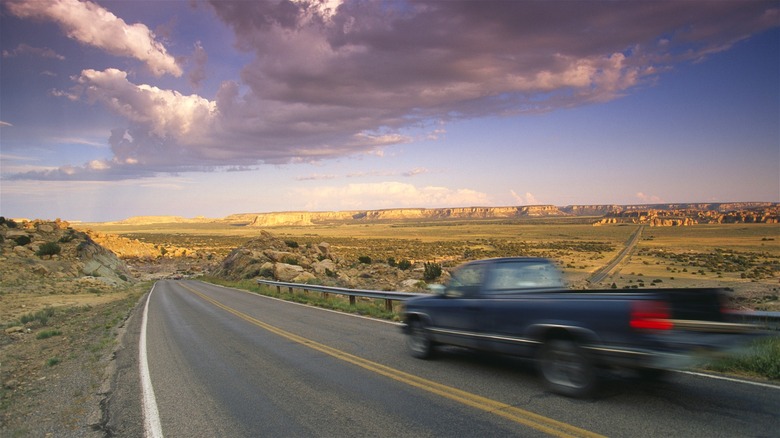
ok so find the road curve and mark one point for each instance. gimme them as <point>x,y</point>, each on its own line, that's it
<point>229,363</point>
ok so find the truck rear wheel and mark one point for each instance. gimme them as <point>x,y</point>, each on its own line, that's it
<point>418,340</point>
<point>567,369</point>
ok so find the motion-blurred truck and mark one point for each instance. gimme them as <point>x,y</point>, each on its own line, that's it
<point>521,306</point>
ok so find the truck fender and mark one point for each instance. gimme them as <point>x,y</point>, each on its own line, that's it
<point>419,316</point>
<point>544,331</point>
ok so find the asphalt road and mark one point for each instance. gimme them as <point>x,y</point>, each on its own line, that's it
<point>602,273</point>
<point>224,362</point>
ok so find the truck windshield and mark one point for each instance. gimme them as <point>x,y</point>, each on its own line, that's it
<point>509,276</point>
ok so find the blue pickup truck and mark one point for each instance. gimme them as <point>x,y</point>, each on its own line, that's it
<point>520,306</point>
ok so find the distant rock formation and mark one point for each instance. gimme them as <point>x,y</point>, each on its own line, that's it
<point>691,214</point>
<point>652,214</point>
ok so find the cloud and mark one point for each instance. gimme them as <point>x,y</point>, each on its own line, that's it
<point>93,25</point>
<point>649,199</point>
<point>25,49</point>
<point>416,171</point>
<point>389,194</point>
<point>528,199</point>
<point>199,60</point>
<point>316,177</point>
<point>474,58</point>
<point>332,79</point>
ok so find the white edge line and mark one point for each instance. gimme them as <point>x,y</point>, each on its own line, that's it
<point>152,427</point>
<point>730,379</point>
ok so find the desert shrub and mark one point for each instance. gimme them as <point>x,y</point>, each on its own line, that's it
<point>431,271</point>
<point>48,249</point>
<point>404,264</point>
<point>291,243</point>
<point>365,259</point>
<point>7,222</point>
<point>45,334</point>
<point>267,273</point>
<point>68,236</point>
<point>391,262</point>
<point>42,316</point>
<point>53,361</point>
<point>290,260</point>
<point>23,240</point>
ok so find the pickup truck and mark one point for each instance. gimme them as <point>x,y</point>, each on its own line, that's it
<point>520,306</point>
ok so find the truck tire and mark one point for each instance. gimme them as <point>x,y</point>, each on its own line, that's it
<point>567,369</point>
<point>418,341</point>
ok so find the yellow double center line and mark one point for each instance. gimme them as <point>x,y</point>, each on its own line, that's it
<point>530,419</point>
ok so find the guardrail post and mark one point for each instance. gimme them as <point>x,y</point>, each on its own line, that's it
<point>290,290</point>
<point>351,300</point>
<point>389,305</point>
<point>278,289</point>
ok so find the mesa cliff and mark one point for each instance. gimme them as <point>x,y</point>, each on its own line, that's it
<point>653,214</point>
<point>680,214</point>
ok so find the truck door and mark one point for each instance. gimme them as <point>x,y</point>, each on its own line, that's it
<point>458,320</point>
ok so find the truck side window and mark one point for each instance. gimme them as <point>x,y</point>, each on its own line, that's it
<point>466,281</point>
<point>511,276</point>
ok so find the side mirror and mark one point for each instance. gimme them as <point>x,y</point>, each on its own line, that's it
<point>437,289</point>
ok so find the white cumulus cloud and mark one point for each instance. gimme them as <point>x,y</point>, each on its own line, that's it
<point>93,25</point>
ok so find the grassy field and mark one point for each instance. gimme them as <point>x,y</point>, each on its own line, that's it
<point>740,256</point>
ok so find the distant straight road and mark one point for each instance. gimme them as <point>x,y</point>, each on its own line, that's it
<point>229,363</point>
<point>602,273</point>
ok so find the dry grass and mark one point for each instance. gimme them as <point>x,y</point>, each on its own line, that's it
<point>665,256</point>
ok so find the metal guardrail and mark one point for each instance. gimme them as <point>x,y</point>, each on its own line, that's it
<point>388,296</point>
<point>769,320</point>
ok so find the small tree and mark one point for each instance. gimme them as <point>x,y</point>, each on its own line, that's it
<point>48,249</point>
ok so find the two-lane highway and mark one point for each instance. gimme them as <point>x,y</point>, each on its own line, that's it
<point>224,362</point>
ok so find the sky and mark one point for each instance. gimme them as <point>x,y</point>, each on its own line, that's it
<point>114,109</point>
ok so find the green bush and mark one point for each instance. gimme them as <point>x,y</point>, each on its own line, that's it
<point>23,240</point>
<point>48,249</point>
<point>365,259</point>
<point>42,316</point>
<point>404,264</point>
<point>432,271</point>
<point>45,334</point>
<point>763,359</point>
<point>8,222</point>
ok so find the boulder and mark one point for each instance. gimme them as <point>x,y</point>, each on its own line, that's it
<point>285,272</point>
<point>322,267</point>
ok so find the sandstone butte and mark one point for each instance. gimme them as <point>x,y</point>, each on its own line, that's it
<point>652,214</point>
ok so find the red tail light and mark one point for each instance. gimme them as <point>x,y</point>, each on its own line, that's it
<point>650,315</point>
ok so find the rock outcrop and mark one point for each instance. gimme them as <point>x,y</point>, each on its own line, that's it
<point>276,259</point>
<point>52,257</point>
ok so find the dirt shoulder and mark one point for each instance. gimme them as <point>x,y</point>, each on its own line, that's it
<point>56,369</point>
